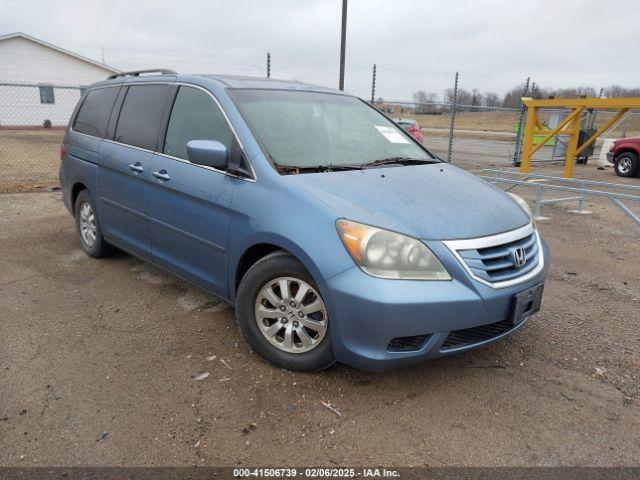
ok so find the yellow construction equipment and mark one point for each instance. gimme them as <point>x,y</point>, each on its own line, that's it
<point>570,126</point>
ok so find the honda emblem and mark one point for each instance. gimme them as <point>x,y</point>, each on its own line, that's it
<point>519,257</point>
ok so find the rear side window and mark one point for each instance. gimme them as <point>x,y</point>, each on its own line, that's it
<point>140,115</point>
<point>94,112</point>
<point>195,116</point>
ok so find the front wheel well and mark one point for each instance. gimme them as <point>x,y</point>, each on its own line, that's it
<point>624,150</point>
<point>251,256</point>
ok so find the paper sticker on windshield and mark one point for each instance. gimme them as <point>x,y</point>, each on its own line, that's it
<point>391,134</point>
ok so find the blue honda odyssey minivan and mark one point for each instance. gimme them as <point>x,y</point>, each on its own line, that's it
<point>336,236</point>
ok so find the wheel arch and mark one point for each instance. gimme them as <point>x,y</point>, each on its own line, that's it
<point>627,149</point>
<point>258,249</point>
<point>75,191</point>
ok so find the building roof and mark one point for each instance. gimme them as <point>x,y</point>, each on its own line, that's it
<point>58,49</point>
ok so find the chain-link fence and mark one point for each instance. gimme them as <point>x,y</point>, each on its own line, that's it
<point>33,119</point>
<point>481,136</point>
<point>475,134</point>
<point>32,123</point>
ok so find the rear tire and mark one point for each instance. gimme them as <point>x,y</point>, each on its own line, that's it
<point>288,326</point>
<point>88,227</point>
<point>626,165</point>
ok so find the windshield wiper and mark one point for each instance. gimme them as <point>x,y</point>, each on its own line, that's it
<point>288,169</point>
<point>316,168</point>
<point>399,161</point>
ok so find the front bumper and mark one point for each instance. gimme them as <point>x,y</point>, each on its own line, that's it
<point>611,157</point>
<point>368,312</point>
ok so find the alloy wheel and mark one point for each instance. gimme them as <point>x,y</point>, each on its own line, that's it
<point>88,229</point>
<point>291,314</point>
<point>624,165</point>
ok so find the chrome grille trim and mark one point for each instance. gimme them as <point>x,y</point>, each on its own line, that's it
<point>493,241</point>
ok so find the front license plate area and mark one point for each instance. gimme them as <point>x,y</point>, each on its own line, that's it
<point>526,303</point>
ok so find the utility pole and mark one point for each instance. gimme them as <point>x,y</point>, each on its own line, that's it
<point>268,65</point>
<point>102,52</point>
<point>373,85</point>
<point>343,42</point>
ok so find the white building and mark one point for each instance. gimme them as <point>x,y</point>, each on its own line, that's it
<point>45,68</point>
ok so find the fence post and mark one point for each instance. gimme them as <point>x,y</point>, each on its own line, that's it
<point>537,208</point>
<point>454,107</point>
<point>268,65</point>
<point>581,210</point>
<point>523,108</point>
<point>373,85</point>
<point>592,119</point>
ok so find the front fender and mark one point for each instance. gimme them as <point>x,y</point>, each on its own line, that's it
<point>625,147</point>
<point>287,219</point>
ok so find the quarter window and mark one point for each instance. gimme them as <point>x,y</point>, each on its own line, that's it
<point>141,114</point>
<point>94,112</point>
<point>195,116</point>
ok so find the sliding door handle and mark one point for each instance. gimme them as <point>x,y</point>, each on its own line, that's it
<point>136,167</point>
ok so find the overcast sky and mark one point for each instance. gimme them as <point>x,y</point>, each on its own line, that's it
<point>416,44</point>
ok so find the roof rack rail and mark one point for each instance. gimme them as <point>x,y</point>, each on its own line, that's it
<point>137,73</point>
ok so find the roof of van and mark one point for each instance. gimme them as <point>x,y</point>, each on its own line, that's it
<point>228,81</point>
<point>237,81</point>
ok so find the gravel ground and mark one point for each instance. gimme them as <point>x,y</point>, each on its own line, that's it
<point>100,360</point>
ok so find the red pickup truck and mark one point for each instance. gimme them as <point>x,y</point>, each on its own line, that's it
<point>625,155</point>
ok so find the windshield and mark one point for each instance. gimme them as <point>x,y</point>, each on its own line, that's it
<point>312,130</point>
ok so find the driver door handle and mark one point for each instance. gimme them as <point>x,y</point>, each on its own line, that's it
<point>162,175</point>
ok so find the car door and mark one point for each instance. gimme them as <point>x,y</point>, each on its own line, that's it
<point>188,203</point>
<point>125,167</point>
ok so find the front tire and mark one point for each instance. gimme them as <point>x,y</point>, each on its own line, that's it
<point>282,315</point>
<point>626,164</point>
<point>88,227</point>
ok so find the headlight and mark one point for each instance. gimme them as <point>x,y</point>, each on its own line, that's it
<point>523,205</point>
<point>387,254</point>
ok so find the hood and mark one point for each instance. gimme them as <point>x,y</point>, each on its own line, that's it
<point>433,202</point>
<point>634,140</point>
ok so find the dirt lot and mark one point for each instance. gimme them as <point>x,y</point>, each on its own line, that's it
<point>30,158</point>
<point>112,347</point>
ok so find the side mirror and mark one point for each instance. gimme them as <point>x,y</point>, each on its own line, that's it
<point>209,153</point>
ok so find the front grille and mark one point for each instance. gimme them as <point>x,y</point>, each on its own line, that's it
<point>497,262</point>
<point>407,344</point>
<point>469,336</point>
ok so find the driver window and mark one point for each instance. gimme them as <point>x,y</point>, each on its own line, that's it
<point>195,116</point>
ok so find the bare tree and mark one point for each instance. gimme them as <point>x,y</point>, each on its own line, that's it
<point>476,97</point>
<point>616,91</point>
<point>424,101</point>
<point>420,99</point>
<point>512,98</point>
<point>491,99</point>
